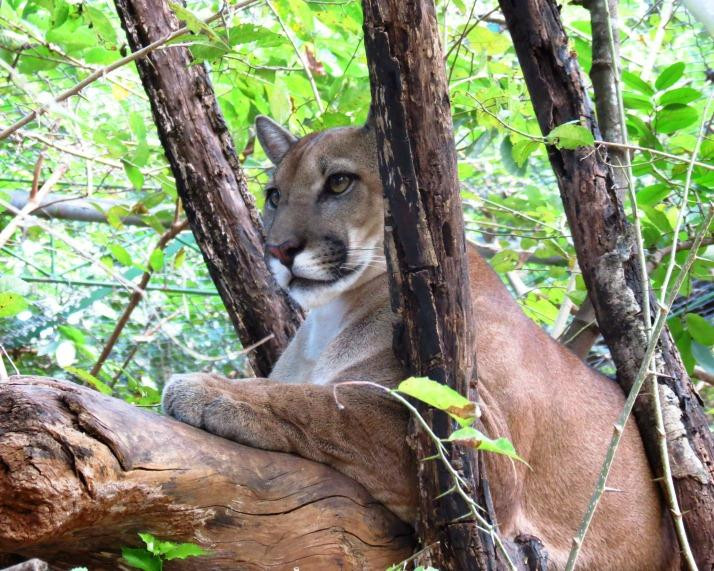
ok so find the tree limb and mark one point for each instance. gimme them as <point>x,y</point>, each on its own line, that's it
<point>83,473</point>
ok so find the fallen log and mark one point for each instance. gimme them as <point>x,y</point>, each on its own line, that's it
<point>82,473</point>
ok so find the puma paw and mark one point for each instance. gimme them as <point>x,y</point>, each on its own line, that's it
<point>185,398</point>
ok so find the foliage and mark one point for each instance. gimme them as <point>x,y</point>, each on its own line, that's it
<point>462,410</point>
<point>156,552</point>
<point>302,62</point>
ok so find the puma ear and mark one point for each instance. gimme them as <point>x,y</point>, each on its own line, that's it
<point>275,139</point>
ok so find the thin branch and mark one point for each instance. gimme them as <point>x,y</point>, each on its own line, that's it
<point>642,374</point>
<point>32,203</point>
<point>171,233</point>
<point>36,175</point>
<point>106,70</point>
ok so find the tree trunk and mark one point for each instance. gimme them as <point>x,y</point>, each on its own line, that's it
<point>610,268</point>
<point>210,183</point>
<point>426,255</point>
<point>81,474</point>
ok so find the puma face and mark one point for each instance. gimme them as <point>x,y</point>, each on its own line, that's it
<point>323,211</point>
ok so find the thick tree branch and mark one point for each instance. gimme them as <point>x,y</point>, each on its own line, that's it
<point>602,240</point>
<point>83,473</point>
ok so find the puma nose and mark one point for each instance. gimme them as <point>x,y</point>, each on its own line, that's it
<point>286,251</point>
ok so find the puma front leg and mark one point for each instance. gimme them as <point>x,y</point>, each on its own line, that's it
<point>364,438</point>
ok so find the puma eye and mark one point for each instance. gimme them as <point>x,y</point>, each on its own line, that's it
<point>339,182</point>
<point>273,197</point>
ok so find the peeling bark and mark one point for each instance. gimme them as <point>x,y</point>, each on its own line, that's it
<point>81,474</point>
<point>606,256</point>
<point>210,183</point>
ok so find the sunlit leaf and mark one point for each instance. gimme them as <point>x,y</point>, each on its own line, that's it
<point>473,438</point>
<point>11,303</point>
<point>442,397</point>
<point>670,76</point>
<point>90,379</point>
<point>570,136</point>
<point>141,559</point>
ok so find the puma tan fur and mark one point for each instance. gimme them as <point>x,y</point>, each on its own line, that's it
<point>324,224</point>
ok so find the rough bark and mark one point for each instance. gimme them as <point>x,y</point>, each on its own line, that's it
<point>582,332</point>
<point>81,474</point>
<point>606,256</point>
<point>426,256</point>
<point>210,183</point>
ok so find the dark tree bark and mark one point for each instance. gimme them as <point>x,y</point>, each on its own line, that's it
<point>606,255</point>
<point>210,183</point>
<point>426,254</point>
<point>81,474</point>
<point>583,331</point>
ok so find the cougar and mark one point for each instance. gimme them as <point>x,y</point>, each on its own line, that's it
<point>323,217</point>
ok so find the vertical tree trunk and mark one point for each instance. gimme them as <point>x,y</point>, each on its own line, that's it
<point>606,256</point>
<point>210,182</point>
<point>426,251</point>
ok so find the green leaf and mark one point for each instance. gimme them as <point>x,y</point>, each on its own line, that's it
<point>469,436</point>
<point>570,136</point>
<point>157,546</point>
<point>635,101</point>
<point>704,356</point>
<point>100,23</point>
<point>700,329</point>
<point>442,397</point>
<point>11,303</point>
<point>120,254</point>
<point>670,76</point>
<point>180,258</point>
<point>653,194</point>
<point>90,379</point>
<point>115,214</point>
<point>72,333</point>
<point>679,95</point>
<point>184,550</point>
<point>156,260</point>
<point>674,117</point>
<point>135,176</point>
<point>141,559</point>
<point>136,123</point>
<point>636,82</point>
<point>522,150</point>
<point>505,261</point>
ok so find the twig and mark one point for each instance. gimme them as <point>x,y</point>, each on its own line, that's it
<point>642,374</point>
<point>36,175</point>
<point>299,55</point>
<point>32,203</point>
<point>106,70</point>
<point>459,484</point>
<point>135,298</point>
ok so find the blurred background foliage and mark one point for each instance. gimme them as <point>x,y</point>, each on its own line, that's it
<point>302,62</point>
